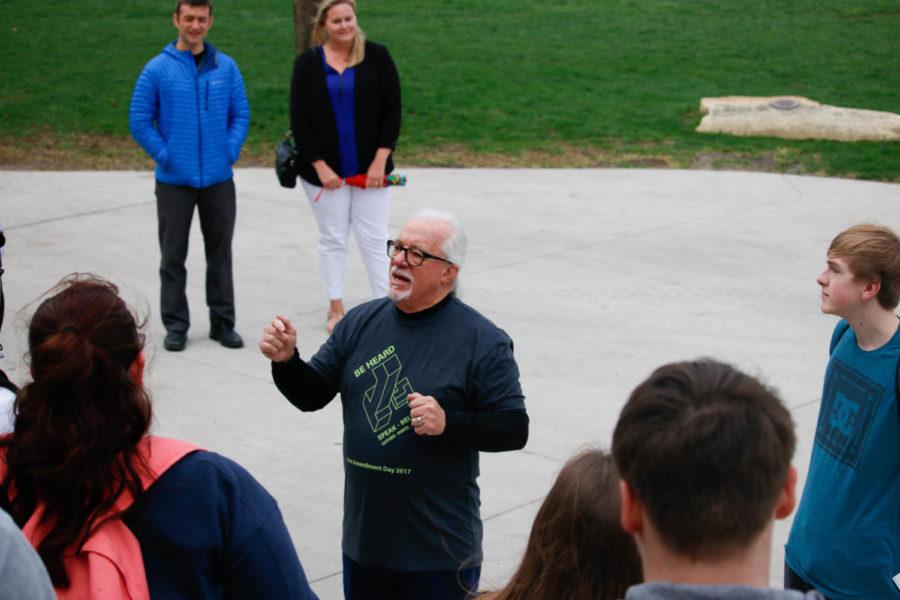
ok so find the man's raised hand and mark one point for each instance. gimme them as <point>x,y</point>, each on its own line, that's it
<point>279,338</point>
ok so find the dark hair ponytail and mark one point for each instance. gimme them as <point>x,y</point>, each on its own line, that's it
<point>79,421</point>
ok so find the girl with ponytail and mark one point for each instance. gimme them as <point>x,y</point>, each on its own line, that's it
<point>80,475</point>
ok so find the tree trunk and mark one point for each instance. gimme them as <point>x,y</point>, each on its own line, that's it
<point>304,14</point>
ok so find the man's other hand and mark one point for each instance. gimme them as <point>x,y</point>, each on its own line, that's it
<point>428,417</point>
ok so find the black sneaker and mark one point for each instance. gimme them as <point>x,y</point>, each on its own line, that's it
<point>227,337</point>
<point>175,341</point>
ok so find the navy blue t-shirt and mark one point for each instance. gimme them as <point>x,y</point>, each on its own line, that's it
<point>209,530</point>
<point>411,502</point>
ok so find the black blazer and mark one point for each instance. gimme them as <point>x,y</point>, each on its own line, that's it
<point>377,91</point>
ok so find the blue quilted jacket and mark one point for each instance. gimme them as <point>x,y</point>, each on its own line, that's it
<point>191,121</point>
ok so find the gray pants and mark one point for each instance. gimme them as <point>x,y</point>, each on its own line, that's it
<point>175,209</point>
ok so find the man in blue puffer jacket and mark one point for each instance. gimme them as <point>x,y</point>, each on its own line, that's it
<point>189,111</point>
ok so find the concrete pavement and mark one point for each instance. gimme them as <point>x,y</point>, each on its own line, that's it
<point>599,276</point>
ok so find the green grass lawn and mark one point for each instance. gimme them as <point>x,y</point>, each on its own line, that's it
<point>570,82</point>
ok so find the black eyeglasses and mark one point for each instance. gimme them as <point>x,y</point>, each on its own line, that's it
<point>414,256</point>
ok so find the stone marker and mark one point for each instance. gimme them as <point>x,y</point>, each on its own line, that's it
<point>795,117</point>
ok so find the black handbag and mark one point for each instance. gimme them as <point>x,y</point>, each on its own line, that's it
<point>286,161</point>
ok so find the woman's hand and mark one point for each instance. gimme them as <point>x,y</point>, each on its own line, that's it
<point>329,179</point>
<point>375,174</point>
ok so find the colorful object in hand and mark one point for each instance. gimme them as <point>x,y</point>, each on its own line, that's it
<point>360,180</point>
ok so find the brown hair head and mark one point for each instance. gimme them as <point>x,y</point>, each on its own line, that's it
<point>707,450</point>
<point>577,549</point>
<point>873,254</point>
<point>78,421</point>
<point>178,4</point>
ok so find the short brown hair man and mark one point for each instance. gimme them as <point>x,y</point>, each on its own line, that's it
<point>189,112</point>
<point>704,453</point>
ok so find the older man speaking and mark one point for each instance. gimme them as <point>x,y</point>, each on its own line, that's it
<point>426,382</point>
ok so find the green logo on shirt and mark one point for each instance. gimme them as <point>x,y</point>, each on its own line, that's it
<point>389,391</point>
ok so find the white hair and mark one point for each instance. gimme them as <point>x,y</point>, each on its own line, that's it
<point>457,245</point>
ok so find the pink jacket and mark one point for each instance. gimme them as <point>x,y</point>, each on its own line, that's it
<point>110,564</point>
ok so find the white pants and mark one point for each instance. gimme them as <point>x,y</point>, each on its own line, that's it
<point>336,211</point>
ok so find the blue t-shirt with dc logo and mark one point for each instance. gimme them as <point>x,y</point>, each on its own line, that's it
<point>411,502</point>
<point>845,539</point>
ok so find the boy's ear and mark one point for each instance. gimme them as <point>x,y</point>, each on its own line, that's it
<point>787,498</point>
<point>632,514</point>
<point>871,289</point>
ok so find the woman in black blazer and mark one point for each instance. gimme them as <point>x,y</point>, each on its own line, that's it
<point>345,115</point>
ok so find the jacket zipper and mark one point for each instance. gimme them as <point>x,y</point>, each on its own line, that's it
<point>199,119</point>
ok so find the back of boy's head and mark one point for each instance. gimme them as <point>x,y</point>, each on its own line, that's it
<point>706,449</point>
<point>873,254</point>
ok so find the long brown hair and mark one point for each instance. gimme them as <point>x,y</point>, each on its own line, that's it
<point>577,549</point>
<point>79,420</point>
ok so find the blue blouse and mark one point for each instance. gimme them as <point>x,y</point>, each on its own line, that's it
<point>341,91</point>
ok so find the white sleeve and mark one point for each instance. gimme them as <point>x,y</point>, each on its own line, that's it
<point>7,419</point>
